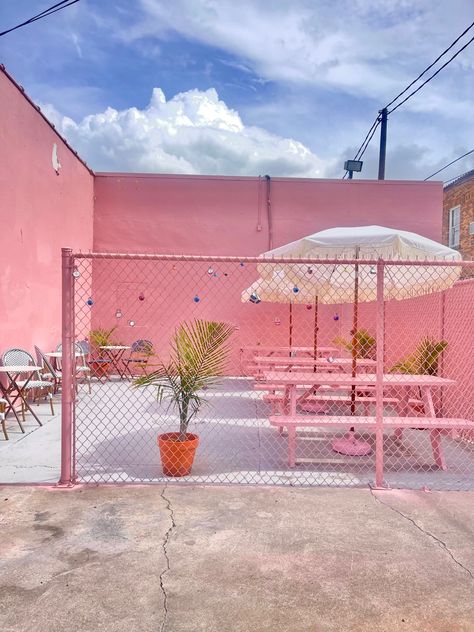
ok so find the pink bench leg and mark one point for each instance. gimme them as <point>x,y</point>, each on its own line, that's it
<point>435,437</point>
<point>291,446</point>
<point>398,434</point>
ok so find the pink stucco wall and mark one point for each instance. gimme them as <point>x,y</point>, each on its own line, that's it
<point>228,215</point>
<point>39,213</point>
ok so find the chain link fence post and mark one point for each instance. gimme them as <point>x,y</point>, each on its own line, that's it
<point>67,399</point>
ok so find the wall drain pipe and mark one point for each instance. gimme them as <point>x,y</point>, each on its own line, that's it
<point>269,213</point>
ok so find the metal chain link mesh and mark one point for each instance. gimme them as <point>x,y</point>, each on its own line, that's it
<point>301,371</point>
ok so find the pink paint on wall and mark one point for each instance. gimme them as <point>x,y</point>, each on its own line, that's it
<point>229,215</point>
<point>40,211</point>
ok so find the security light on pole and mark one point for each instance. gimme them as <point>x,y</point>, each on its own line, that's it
<point>353,165</point>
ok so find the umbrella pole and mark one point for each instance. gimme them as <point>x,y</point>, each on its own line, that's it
<point>291,329</point>
<point>355,323</point>
<point>349,444</point>
<point>315,332</point>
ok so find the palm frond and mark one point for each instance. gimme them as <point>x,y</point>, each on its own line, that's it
<point>424,360</point>
<point>199,355</point>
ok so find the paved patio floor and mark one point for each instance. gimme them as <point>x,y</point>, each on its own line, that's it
<point>235,559</point>
<point>116,442</point>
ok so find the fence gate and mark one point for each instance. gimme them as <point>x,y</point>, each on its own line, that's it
<point>324,345</point>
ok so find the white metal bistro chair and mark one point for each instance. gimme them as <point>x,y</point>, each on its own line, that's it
<point>38,386</point>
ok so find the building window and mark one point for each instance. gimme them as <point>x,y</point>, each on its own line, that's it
<point>454,226</point>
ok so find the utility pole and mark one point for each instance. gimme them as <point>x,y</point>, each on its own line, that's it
<point>383,143</point>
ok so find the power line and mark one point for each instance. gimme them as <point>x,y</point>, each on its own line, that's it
<point>430,66</point>
<point>371,131</point>
<point>449,164</point>
<point>460,175</point>
<point>43,14</point>
<point>365,142</point>
<point>432,76</point>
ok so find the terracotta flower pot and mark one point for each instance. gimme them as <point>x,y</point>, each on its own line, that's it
<point>99,368</point>
<point>177,456</point>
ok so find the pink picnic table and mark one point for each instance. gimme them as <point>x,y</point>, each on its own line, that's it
<point>270,350</point>
<point>301,362</point>
<point>312,381</point>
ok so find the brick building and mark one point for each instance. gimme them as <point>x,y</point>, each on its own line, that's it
<point>458,215</point>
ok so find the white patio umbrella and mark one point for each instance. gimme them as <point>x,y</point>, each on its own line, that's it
<point>279,290</point>
<point>354,282</point>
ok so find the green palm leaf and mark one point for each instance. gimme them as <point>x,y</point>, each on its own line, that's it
<point>199,356</point>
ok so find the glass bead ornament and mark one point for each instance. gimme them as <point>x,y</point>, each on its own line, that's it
<point>215,275</point>
<point>277,321</point>
<point>118,313</point>
<point>210,271</point>
<point>372,270</point>
<point>90,302</point>
<point>309,271</point>
<point>296,290</point>
<point>141,296</point>
<point>336,317</point>
<point>242,264</point>
<point>76,274</point>
<point>255,298</point>
<point>309,306</point>
<point>131,323</point>
<point>196,299</point>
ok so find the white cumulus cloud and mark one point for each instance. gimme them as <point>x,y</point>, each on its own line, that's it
<point>193,132</point>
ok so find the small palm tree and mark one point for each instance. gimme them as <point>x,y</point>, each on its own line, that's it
<point>363,343</point>
<point>424,360</point>
<point>199,355</point>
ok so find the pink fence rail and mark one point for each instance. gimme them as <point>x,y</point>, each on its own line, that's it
<point>338,373</point>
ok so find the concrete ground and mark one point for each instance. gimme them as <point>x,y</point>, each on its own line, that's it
<point>237,559</point>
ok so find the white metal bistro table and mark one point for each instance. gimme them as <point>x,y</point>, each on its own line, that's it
<point>115,353</point>
<point>59,354</point>
<point>13,391</point>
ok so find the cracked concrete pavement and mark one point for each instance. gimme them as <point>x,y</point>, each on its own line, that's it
<point>190,558</point>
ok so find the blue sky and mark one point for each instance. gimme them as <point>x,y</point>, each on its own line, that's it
<point>288,87</point>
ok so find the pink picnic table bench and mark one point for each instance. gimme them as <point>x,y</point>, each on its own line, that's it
<point>247,354</point>
<point>301,363</point>
<point>312,382</point>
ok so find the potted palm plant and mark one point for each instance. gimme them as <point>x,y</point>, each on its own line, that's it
<point>424,360</point>
<point>99,338</point>
<point>198,357</point>
<point>363,342</point>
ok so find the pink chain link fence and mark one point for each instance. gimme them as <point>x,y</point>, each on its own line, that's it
<point>319,348</point>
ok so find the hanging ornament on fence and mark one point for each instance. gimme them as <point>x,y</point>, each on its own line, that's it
<point>255,298</point>
<point>242,264</point>
<point>196,299</point>
<point>277,321</point>
<point>336,317</point>
<point>309,306</point>
<point>210,271</point>
<point>76,274</point>
<point>90,302</point>
<point>296,290</point>
<point>372,270</point>
<point>309,271</point>
<point>141,296</point>
<point>215,274</point>
<point>118,313</point>
<point>131,323</point>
